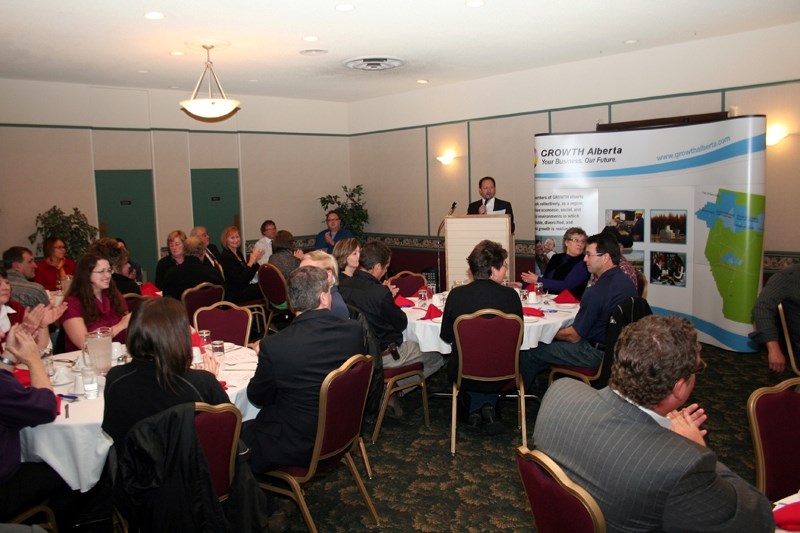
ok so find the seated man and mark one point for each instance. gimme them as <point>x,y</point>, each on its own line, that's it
<point>21,269</point>
<point>327,239</point>
<point>583,343</point>
<point>488,265</point>
<point>365,291</point>
<point>636,452</point>
<point>23,485</point>
<point>268,232</point>
<point>192,272</point>
<point>211,254</point>
<point>783,286</point>
<point>291,367</point>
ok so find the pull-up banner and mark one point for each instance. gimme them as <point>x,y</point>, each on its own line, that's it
<point>688,202</point>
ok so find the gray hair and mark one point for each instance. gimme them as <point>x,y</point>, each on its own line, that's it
<point>305,286</point>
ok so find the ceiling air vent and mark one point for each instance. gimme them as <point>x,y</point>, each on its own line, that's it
<point>373,63</point>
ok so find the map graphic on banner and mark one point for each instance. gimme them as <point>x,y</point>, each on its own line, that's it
<point>689,203</point>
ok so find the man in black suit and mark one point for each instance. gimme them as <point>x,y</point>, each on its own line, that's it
<point>292,365</point>
<point>488,204</point>
<point>211,253</point>
<point>192,272</point>
<point>636,451</point>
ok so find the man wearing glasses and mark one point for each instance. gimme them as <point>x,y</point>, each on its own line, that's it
<point>632,447</point>
<point>583,343</point>
<point>326,239</point>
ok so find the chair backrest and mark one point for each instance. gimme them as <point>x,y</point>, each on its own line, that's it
<point>641,284</point>
<point>772,413</point>
<point>218,428</point>
<point>559,505</point>
<point>341,407</point>
<point>226,321</point>
<point>488,342</point>
<point>133,300</point>
<point>202,295</point>
<point>627,312</point>
<point>790,342</point>
<point>272,284</point>
<point>409,283</point>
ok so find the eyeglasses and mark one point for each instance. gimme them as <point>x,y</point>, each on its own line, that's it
<point>59,247</point>
<point>700,367</point>
<point>331,220</point>
<point>104,271</point>
<point>578,241</point>
<point>587,254</point>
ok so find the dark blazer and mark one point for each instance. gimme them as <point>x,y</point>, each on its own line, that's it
<point>125,285</point>
<point>480,294</point>
<point>499,205</point>
<point>375,300</point>
<point>191,273</point>
<point>212,250</point>
<point>644,476</point>
<point>238,275</point>
<point>292,365</point>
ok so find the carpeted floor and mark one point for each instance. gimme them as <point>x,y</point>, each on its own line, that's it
<point>419,486</point>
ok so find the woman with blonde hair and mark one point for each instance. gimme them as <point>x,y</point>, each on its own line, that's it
<point>239,273</point>
<point>325,261</point>
<point>175,241</point>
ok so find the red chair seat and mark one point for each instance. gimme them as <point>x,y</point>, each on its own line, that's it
<point>389,373</point>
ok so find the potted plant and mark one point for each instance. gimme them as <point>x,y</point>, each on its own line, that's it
<point>351,209</point>
<point>74,229</point>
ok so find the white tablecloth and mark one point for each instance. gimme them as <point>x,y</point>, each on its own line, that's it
<point>76,447</point>
<point>426,332</point>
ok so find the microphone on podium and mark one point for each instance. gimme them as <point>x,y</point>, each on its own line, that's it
<point>452,209</point>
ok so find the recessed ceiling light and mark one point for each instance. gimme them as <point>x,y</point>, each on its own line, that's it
<point>345,7</point>
<point>474,3</point>
<point>311,38</point>
<point>174,87</point>
<point>253,81</point>
<point>177,53</point>
<point>630,41</point>
<point>154,15</point>
<point>143,71</point>
<point>313,52</point>
<point>422,82</point>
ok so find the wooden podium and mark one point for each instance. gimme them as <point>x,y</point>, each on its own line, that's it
<point>463,232</point>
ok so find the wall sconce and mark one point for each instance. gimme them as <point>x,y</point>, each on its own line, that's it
<point>776,133</point>
<point>447,157</point>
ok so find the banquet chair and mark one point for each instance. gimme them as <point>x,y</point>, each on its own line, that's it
<point>226,321</point>
<point>133,300</point>
<point>218,428</point>
<point>341,406</point>
<point>627,312</point>
<point>391,379</point>
<point>770,411</point>
<point>274,288</point>
<point>47,521</point>
<point>559,505</point>
<point>488,344</point>
<point>790,343</point>
<point>202,295</point>
<point>641,284</point>
<point>409,283</point>
<point>258,309</point>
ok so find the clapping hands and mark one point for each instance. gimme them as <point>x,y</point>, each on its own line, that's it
<point>687,422</point>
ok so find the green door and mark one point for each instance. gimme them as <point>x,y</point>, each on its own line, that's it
<point>126,209</point>
<point>215,200</point>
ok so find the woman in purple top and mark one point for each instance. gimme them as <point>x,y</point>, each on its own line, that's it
<point>93,302</point>
<point>566,271</point>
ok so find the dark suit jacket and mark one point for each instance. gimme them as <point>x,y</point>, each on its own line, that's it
<point>215,253</point>
<point>644,476</point>
<point>237,278</point>
<point>479,294</point>
<point>375,300</point>
<point>191,273</point>
<point>499,205</point>
<point>291,367</point>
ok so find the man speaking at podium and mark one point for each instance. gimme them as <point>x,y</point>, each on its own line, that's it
<point>488,204</point>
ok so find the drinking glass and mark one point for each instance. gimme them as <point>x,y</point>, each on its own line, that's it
<point>540,292</point>
<point>90,387</point>
<point>218,351</point>
<point>523,295</point>
<point>431,288</point>
<point>423,298</point>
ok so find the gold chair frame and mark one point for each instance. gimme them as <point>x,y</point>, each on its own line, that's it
<point>233,306</point>
<point>391,387</point>
<point>203,407</point>
<point>788,338</point>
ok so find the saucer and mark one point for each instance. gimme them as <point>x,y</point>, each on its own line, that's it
<point>438,320</point>
<point>567,306</point>
<point>529,318</point>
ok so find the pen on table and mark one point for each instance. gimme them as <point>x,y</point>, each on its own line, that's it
<point>68,396</point>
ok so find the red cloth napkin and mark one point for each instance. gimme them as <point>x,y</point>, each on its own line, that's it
<point>224,385</point>
<point>58,405</point>
<point>566,297</point>
<point>402,301</point>
<point>23,375</point>
<point>196,342</point>
<point>149,289</point>
<point>432,312</point>
<point>788,517</point>
<point>532,311</point>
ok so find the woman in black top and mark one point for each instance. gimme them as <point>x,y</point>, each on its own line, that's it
<point>565,271</point>
<point>239,273</point>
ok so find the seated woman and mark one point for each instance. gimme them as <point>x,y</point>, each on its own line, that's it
<point>325,261</point>
<point>284,256</point>
<point>158,376</point>
<point>239,274</point>
<point>565,271</point>
<point>175,241</point>
<point>34,321</point>
<point>93,301</point>
<point>116,254</point>
<point>55,267</point>
<point>347,252</point>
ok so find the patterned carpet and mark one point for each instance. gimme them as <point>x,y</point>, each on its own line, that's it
<point>418,486</point>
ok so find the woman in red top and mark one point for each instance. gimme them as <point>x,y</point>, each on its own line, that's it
<point>55,266</point>
<point>93,302</point>
<point>34,320</point>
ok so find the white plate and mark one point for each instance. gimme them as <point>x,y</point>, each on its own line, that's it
<point>567,306</point>
<point>529,318</point>
<point>438,320</point>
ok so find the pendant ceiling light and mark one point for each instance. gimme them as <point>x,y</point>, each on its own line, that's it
<point>210,107</point>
